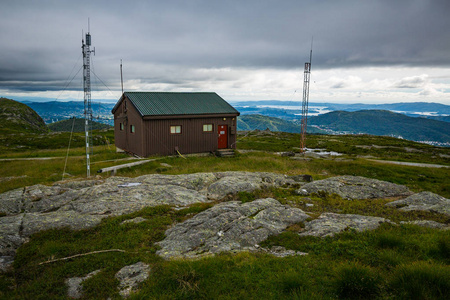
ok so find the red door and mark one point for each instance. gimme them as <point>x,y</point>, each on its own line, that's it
<point>223,136</point>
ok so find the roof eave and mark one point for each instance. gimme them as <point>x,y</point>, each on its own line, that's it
<point>117,104</point>
<point>193,116</point>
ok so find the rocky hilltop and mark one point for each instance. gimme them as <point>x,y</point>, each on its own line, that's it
<point>228,226</point>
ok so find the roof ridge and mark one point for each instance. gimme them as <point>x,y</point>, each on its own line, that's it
<point>174,92</point>
<point>179,103</point>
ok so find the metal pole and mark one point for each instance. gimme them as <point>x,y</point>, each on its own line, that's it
<point>305,102</point>
<point>121,76</point>
<point>87,99</point>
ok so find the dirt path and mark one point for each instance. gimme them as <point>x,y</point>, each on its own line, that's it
<point>409,164</point>
<point>29,158</point>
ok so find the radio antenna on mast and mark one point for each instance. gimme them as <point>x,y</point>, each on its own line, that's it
<point>86,50</point>
<point>305,102</point>
<point>121,76</point>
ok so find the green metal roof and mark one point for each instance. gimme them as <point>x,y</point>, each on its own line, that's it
<point>164,103</point>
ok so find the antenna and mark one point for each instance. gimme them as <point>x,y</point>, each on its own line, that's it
<point>121,76</point>
<point>305,102</point>
<point>87,97</point>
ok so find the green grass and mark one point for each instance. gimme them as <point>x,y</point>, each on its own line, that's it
<point>386,148</point>
<point>391,262</point>
<point>20,173</point>
<point>357,281</point>
<point>49,171</point>
<point>34,281</point>
<point>421,280</point>
<point>334,203</point>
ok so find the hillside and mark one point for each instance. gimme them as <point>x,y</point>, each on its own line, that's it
<point>262,224</point>
<point>400,107</point>
<point>16,117</point>
<point>66,125</point>
<point>381,122</point>
<point>291,110</point>
<point>260,122</point>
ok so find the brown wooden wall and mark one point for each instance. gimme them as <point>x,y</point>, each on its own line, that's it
<point>159,140</point>
<point>124,139</point>
<point>153,137</point>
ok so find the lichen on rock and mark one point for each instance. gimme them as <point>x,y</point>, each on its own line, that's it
<point>355,187</point>
<point>131,276</point>
<point>424,201</point>
<point>329,224</point>
<point>228,227</point>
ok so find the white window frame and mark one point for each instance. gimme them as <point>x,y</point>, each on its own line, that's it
<point>175,129</point>
<point>208,127</point>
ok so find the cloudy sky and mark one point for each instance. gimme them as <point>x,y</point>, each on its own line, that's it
<point>374,51</point>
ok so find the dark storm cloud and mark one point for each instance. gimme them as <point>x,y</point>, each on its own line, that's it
<point>41,40</point>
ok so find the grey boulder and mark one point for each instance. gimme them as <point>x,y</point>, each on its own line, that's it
<point>228,227</point>
<point>427,223</point>
<point>131,276</point>
<point>424,201</point>
<point>329,224</point>
<point>74,285</point>
<point>355,187</point>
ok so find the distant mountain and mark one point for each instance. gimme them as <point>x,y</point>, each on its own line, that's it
<point>54,111</point>
<point>381,122</point>
<point>16,117</point>
<point>78,126</point>
<point>260,122</point>
<point>413,107</point>
<point>402,106</point>
<point>291,110</point>
<point>265,102</point>
<point>440,118</point>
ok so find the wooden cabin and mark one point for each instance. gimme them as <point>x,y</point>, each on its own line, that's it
<point>161,123</point>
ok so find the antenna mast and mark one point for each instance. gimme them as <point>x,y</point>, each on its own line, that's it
<point>87,98</point>
<point>305,101</point>
<point>121,76</point>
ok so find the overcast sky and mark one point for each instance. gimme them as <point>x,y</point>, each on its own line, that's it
<point>375,51</point>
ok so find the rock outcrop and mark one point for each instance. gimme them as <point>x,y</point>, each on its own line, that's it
<point>328,224</point>
<point>74,285</point>
<point>83,204</point>
<point>427,223</point>
<point>425,201</point>
<point>131,276</point>
<point>234,182</point>
<point>228,227</point>
<point>355,187</point>
<point>279,251</point>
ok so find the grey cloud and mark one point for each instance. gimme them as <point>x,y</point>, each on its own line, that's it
<point>40,41</point>
<point>338,85</point>
<point>412,82</point>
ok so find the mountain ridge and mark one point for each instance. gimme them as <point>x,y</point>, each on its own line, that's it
<point>382,122</point>
<point>374,122</point>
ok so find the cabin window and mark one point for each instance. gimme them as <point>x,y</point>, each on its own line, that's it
<point>121,126</point>
<point>176,129</point>
<point>207,127</point>
<point>132,129</point>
